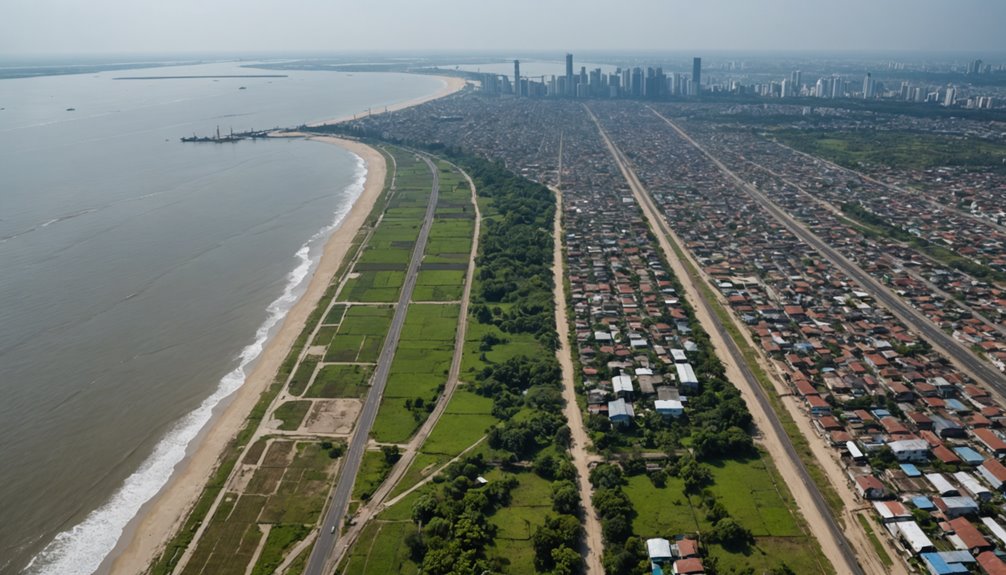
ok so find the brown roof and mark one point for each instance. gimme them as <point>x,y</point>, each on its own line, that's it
<point>969,534</point>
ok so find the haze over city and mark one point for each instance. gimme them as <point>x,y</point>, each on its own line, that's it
<point>704,287</point>
<point>40,27</point>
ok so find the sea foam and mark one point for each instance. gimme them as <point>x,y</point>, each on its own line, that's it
<point>81,549</point>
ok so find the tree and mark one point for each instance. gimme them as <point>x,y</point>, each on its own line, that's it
<point>566,561</point>
<point>392,454</point>
<point>565,497</point>
<point>555,533</point>
<point>606,475</point>
<point>730,534</point>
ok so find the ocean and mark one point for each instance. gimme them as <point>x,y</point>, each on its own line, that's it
<point>142,276</point>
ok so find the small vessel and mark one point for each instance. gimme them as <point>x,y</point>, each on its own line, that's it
<point>218,139</point>
<point>242,88</point>
<point>71,109</point>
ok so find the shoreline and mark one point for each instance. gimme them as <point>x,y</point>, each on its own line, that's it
<point>160,518</point>
<point>451,85</point>
<point>145,535</point>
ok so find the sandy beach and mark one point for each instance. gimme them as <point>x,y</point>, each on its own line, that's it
<point>162,516</point>
<point>451,85</point>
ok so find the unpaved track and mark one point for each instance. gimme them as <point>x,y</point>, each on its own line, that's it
<point>574,417</point>
<point>808,498</point>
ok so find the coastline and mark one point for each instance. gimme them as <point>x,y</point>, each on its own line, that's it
<point>451,85</point>
<point>164,514</point>
<point>160,517</point>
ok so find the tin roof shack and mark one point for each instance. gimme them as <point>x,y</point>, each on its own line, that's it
<point>659,551</point>
<point>620,413</point>
<point>995,473</point>
<point>869,487</point>
<point>972,486</point>
<point>912,536</point>
<point>966,536</point>
<point>941,485</point>
<point>912,450</point>
<point>956,506</point>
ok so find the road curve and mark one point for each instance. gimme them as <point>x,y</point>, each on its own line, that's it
<point>329,528</point>
<point>845,551</point>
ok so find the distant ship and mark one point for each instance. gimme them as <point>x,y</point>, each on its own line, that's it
<point>71,109</point>
<point>218,139</point>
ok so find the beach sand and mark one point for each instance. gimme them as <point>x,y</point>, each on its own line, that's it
<point>451,85</point>
<point>161,517</point>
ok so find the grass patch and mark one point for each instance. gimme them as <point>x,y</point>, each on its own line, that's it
<point>341,381</point>
<point>875,541</point>
<point>281,538</point>
<point>291,413</point>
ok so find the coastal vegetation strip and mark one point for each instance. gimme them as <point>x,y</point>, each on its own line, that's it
<point>279,497</point>
<point>496,507</point>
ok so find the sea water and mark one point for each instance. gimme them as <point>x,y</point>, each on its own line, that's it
<point>141,277</point>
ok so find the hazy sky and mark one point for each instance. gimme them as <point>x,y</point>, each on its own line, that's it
<point>138,26</point>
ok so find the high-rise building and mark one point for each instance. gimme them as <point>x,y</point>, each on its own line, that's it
<point>696,76</point>
<point>950,97</point>
<point>569,76</point>
<point>516,78</point>
<point>868,86</point>
<point>795,80</point>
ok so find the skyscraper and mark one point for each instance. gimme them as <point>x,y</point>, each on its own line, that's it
<point>570,91</point>
<point>696,76</point>
<point>868,86</point>
<point>516,78</point>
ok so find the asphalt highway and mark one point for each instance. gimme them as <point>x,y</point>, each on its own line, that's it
<point>339,502</point>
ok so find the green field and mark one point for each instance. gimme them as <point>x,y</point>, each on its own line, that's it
<point>361,334</point>
<point>418,371</point>
<point>341,381</point>
<point>291,413</point>
<point>530,503</point>
<point>288,491</point>
<point>901,149</point>
<point>751,493</point>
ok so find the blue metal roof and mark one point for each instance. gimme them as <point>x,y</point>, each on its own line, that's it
<point>880,413</point>
<point>911,470</point>
<point>923,502</point>
<point>956,405</point>
<point>969,455</point>
<point>944,563</point>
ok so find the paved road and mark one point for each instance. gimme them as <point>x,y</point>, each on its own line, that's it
<point>318,563</point>
<point>958,352</point>
<point>835,533</point>
<point>408,455</point>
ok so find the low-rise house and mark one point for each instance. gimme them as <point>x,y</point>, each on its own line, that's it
<point>869,487</point>
<point>669,407</point>
<point>659,551</point>
<point>620,412</point>
<point>892,511</point>
<point>912,536</point>
<point>994,473</point>
<point>941,485</point>
<point>912,450</point>
<point>990,440</point>
<point>967,537</point>
<point>948,562</point>
<point>972,487</point>
<point>991,564</point>
<point>956,506</point>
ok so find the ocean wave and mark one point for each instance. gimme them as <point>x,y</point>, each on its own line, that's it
<point>81,549</point>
